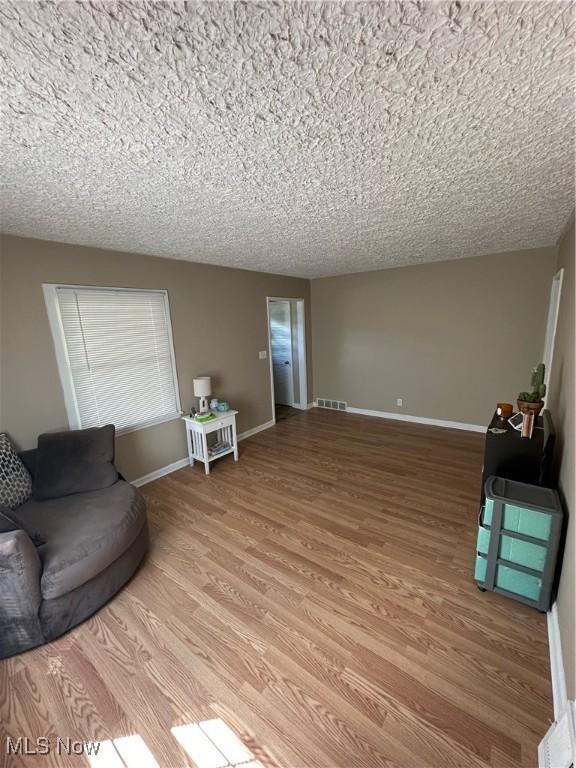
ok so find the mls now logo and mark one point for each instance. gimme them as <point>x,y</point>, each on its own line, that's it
<point>44,746</point>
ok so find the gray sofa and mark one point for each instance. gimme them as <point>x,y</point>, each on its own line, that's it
<point>67,555</point>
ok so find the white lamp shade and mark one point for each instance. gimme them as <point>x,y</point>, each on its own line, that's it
<point>203,386</point>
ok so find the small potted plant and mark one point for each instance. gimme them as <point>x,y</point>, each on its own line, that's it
<point>532,402</point>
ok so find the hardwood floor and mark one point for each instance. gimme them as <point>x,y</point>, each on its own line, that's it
<point>282,412</point>
<point>316,597</point>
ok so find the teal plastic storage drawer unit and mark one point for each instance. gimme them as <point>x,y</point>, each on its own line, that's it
<point>518,540</point>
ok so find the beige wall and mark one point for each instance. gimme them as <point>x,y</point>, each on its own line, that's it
<point>450,338</point>
<point>219,326</point>
<point>561,403</point>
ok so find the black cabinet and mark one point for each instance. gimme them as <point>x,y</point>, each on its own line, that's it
<point>509,455</point>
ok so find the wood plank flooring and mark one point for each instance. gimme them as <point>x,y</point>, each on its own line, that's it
<point>317,597</point>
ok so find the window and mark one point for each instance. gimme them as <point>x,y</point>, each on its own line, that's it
<point>115,355</point>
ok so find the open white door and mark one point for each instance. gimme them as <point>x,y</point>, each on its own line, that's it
<point>281,348</point>
<point>551,323</point>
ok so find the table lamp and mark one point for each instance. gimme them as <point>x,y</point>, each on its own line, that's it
<point>203,390</point>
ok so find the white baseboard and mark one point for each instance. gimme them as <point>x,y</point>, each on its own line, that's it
<point>255,430</point>
<point>185,462</point>
<point>415,419</point>
<point>559,691</point>
<point>305,407</point>
<point>161,472</point>
<point>558,746</point>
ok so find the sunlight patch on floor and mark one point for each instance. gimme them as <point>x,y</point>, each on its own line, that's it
<point>125,752</point>
<point>134,752</point>
<point>209,744</point>
<point>213,744</point>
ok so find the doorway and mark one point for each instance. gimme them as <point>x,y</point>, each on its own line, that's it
<point>287,353</point>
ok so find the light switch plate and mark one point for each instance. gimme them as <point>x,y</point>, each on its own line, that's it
<point>263,355</point>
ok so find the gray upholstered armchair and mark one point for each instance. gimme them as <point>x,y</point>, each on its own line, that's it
<point>68,549</point>
<point>20,596</point>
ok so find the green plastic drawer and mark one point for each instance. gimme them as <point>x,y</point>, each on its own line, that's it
<point>480,569</point>
<point>522,552</point>
<point>527,521</point>
<point>483,540</point>
<point>521,520</point>
<point>517,582</point>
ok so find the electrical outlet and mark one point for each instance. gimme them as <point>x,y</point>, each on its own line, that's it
<point>399,402</point>
<point>262,355</point>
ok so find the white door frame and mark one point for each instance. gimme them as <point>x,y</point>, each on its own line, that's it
<point>301,342</point>
<point>551,324</point>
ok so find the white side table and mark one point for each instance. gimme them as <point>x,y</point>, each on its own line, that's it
<point>196,432</point>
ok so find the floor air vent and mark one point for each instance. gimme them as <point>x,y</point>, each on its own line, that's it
<point>334,405</point>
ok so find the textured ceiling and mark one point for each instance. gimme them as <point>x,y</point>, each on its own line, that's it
<point>300,138</point>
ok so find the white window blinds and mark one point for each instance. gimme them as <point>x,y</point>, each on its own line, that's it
<point>116,357</point>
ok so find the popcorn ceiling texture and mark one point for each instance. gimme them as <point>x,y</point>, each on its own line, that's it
<point>307,139</point>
